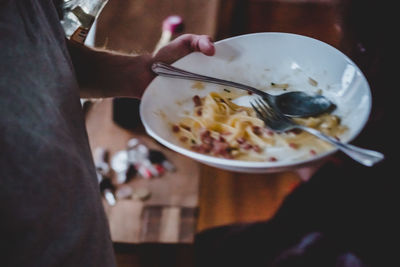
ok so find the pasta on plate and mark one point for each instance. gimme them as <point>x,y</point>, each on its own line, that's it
<point>218,127</point>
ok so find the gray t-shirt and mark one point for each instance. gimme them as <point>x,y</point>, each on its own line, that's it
<point>50,206</point>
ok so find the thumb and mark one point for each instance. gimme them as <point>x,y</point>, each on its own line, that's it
<point>184,45</point>
<point>203,44</point>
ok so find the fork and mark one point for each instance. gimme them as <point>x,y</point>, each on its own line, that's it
<point>293,104</point>
<point>278,122</point>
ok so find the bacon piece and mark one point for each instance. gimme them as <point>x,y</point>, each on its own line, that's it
<point>294,145</point>
<point>203,148</point>
<point>220,148</point>
<point>205,137</point>
<point>257,148</point>
<point>247,146</point>
<point>256,130</point>
<point>241,140</point>
<point>175,128</point>
<point>269,132</point>
<point>197,101</point>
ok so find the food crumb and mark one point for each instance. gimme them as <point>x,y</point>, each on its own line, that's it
<point>312,81</point>
<point>198,85</point>
<point>280,85</point>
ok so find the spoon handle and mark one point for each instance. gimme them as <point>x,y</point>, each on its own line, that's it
<point>166,70</point>
<point>364,156</point>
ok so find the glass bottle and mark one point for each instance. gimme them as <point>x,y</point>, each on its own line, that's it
<point>79,16</point>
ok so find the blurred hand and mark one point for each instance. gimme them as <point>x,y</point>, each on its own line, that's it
<point>176,49</point>
<point>184,45</point>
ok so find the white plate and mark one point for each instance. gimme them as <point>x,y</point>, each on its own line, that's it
<point>258,59</point>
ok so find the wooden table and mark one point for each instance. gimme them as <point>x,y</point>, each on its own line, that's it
<point>169,214</point>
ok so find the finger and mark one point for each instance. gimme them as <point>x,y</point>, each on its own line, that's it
<point>184,45</point>
<point>206,46</point>
<point>203,44</point>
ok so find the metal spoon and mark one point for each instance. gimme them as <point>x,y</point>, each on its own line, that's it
<point>292,104</point>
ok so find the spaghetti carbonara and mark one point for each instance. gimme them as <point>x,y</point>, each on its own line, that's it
<point>219,127</point>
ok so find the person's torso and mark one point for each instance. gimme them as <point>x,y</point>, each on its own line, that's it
<point>49,197</point>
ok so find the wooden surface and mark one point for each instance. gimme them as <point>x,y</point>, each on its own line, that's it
<point>135,26</point>
<point>169,215</point>
<point>230,197</point>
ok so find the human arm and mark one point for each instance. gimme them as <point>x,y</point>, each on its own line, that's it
<point>103,73</point>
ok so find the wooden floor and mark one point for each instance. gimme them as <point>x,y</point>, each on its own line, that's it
<point>225,197</point>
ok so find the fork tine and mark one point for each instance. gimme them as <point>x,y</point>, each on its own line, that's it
<point>262,105</point>
<point>256,109</point>
<point>267,110</point>
<point>272,111</point>
<point>260,110</point>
